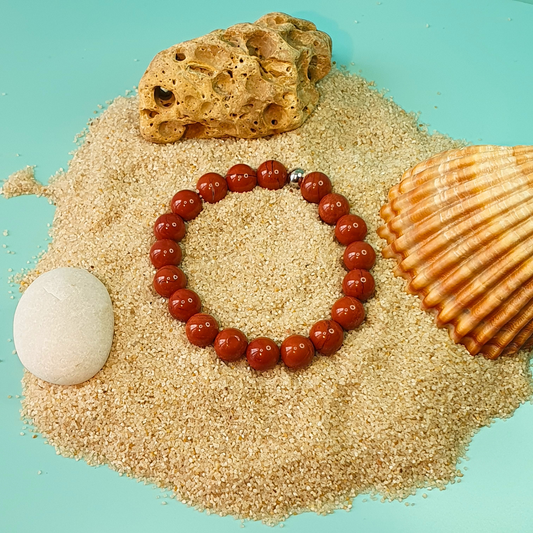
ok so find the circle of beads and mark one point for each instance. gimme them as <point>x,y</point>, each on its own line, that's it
<point>326,336</point>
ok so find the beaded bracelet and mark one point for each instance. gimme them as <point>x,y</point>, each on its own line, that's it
<point>297,351</point>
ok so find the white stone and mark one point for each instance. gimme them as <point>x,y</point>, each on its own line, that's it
<point>63,326</point>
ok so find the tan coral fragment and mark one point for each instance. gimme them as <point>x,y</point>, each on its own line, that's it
<point>249,81</point>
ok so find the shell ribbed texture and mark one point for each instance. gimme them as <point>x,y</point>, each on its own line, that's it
<point>460,226</point>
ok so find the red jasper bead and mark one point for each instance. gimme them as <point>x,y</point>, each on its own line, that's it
<point>350,228</point>
<point>348,312</point>
<point>212,187</point>
<point>327,336</point>
<point>241,178</point>
<point>201,329</point>
<point>332,207</point>
<point>315,186</point>
<point>169,226</point>
<point>262,354</point>
<point>231,344</point>
<point>168,280</point>
<point>165,252</point>
<point>297,351</point>
<point>358,283</point>
<point>183,304</point>
<point>186,204</point>
<point>271,175</point>
<point>359,254</point>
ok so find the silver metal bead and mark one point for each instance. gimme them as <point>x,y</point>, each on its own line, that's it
<point>296,176</point>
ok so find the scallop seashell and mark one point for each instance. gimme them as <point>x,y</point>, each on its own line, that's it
<point>460,226</point>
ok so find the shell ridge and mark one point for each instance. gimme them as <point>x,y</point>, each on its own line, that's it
<point>449,155</point>
<point>460,184</point>
<point>460,226</point>
<point>461,231</point>
<point>490,301</point>
<point>467,244</point>
<point>444,165</point>
<point>504,321</point>
<point>492,265</point>
<point>456,210</point>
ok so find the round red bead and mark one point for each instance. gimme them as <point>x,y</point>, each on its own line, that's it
<point>241,178</point>
<point>231,344</point>
<point>168,280</point>
<point>262,354</point>
<point>186,204</point>
<point>350,228</point>
<point>201,329</point>
<point>315,186</point>
<point>332,207</point>
<point>327,336</point>
<point>212,187</point>
<point>165,252</point>
<point>183,304</point>
<point>297,351</point>
<point>358,283</point>
<point>169,226</point>
<point>348,312</point>
<point>271,175</point>
<point>359,254</point>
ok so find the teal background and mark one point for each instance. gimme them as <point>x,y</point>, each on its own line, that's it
<point>60,59</point>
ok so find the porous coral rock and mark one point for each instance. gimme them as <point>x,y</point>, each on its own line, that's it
<point>249,81</point>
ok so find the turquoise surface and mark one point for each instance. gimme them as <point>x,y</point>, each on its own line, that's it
<point>466,65</point>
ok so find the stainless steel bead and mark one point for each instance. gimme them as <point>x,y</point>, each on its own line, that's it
<point>296,176</point>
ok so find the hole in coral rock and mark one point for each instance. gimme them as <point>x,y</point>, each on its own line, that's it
<point>313,68</point>
<point>199,69</point>
<point>190,102</point>
<point>222,84</point>
<point>274,114</point>
<point>179,56</point>
<point>171,129</point>
<point>163,97</point>
<point>260,45</point>
<point>303,25</point>
<point>211,55</point>
<point>294,38</point>
<point>265,74</point>
<point>194,130</point>
<point>277,68</point>
<point>149,113</point>
<point>206,108</point>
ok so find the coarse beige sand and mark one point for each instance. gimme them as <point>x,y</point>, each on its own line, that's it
<point>393,410</point>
